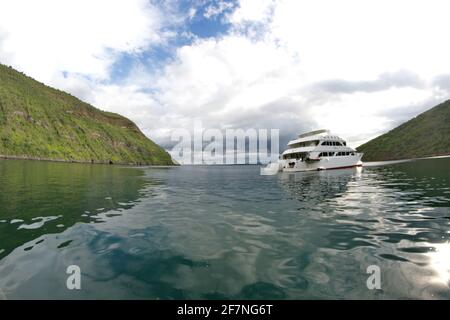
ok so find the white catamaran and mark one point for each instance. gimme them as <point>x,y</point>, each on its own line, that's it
<point>315,150</point>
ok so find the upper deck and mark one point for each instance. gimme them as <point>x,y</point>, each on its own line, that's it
<point>313,138</point>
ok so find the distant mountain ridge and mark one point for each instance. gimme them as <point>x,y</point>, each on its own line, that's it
<point>39,122</point>
<point>426,135</point>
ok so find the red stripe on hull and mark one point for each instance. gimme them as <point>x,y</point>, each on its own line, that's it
<point>347,167</point>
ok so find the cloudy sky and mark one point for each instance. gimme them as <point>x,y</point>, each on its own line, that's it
<point>356,67</point>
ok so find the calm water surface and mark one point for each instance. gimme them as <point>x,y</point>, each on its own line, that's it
<point>224,232</point>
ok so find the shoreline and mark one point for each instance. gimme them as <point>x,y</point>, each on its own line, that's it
<point>142,165</point>
<point>110,163</point>
<point>386,162</point>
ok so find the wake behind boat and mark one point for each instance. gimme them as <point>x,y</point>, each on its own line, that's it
<point>315,150</point>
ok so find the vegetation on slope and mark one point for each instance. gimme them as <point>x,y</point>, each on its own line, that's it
<point>39,122</point>
<point>426,135</point>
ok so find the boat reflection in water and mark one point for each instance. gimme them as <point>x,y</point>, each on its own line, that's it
<point>393,216</point>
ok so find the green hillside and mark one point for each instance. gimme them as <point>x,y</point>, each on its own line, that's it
<point>426,135</point>
<point>39,122</point>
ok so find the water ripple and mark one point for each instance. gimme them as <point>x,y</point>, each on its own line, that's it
<point>227,232</point>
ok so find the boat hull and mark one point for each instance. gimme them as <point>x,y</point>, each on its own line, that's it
<point>328,163</point>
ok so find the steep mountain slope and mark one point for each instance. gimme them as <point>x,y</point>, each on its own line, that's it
<point>39,122</point>
<point>426,135</point>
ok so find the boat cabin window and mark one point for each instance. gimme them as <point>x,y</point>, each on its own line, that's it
<point>305,144</point>
<point>294,156</point>
<point>347,153</point>
<point>331,143</point>
<point>326,154</point>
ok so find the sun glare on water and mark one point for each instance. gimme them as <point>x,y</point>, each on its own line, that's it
<point>440,262</point>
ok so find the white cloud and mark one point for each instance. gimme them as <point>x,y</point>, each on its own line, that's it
<point>355,39</point>
<point>387,53</point>
<point>47,37</point>
<point>252,11</point>
<point>226,75</point>
<point>213,10</point>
